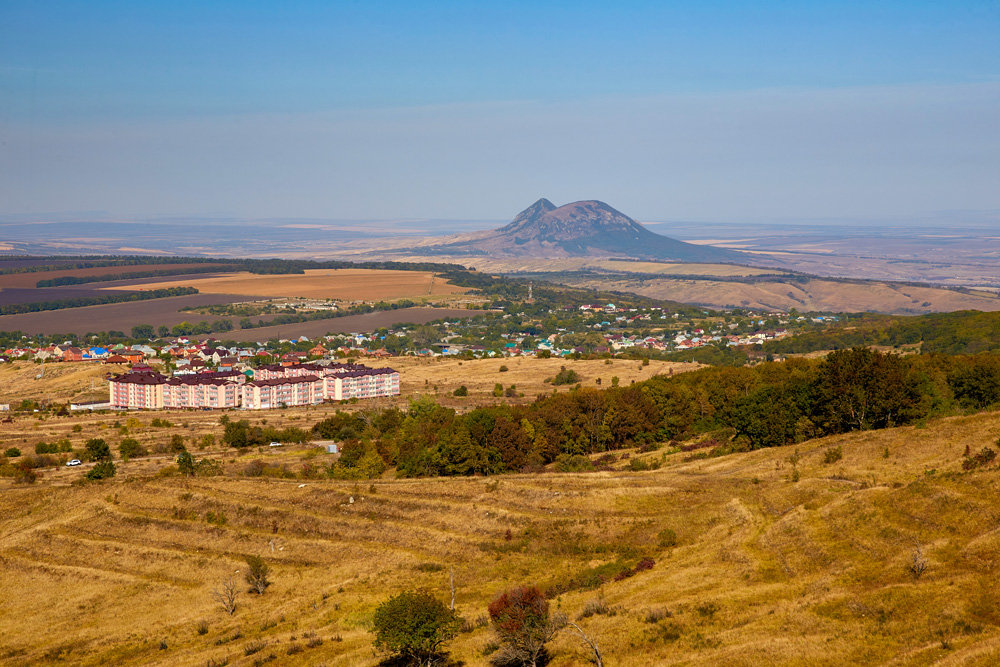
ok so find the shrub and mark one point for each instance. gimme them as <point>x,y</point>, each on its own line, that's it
<point>12,452</point>
<point>667,538</point>
<point>257,573</point>
<point>414,625</point>
<point>918,564</point>
<point>498,390</point>
<point>461,391</point>
<point>566,376</point>
<point>202,627</point>
<point>185,464</point>
<point>129,448</point>
<point>102,470</point>
<point>504,369</point>
<point>984,457</point>
<point>833,454</point>
<point>573,463</point>
<point>23,474</point>
<point>521,619</point>
<point>177,443</point>
<point>511,391</point>
<point>160,423</point>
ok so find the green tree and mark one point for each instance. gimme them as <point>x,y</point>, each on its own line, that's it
<point>97,450</point>
<point>414,625</point>
<point>129,448</point>
<point>185,464</point>
<point>860,389</point>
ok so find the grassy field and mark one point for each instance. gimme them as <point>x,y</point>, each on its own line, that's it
<point>338,284</point>
<point>782,556</point>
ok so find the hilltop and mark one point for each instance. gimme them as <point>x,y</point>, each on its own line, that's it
<point>581,229</point>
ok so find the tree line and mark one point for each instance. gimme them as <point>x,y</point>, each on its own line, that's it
<point>772,404</point>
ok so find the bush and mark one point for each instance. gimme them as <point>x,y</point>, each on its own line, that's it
<point>833,454</point>
<point>414,625</point>
<point>504,369</point>
<point>185,464</point>
<point>461,391</point>
<point>257,573</point>
<point>566,376</point>
<point>129,448</point>
<point>160,423</point>
<point>12,452</point>
<point>521,619</point>
<point>573,463</point>
<point>102,470</point>
<point>667,538</point>
<point>984,457</point>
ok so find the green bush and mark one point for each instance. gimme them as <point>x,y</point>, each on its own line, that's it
<point>12,452</point>
<point>102,470</point>
<point>129,448</point>
<point>667,538</point>
<point>461,391</point>
<point>833,454</point>
<point>414,625</point>
<point>566,376</point>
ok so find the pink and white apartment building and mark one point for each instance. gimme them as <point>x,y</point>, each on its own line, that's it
<point>148,390</point>
<point>140,390</point>
<point>282,392</point>
<point>272,387</point>
<point>340,381</point>
<point>196,392</point>
<point>362,382</point>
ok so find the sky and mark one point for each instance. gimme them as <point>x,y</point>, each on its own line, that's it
<point>714,111</point>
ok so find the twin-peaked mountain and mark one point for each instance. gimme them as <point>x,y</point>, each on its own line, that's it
<point>583,229</point>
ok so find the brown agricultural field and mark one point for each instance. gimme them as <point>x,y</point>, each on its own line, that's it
<point>349,323</point>
<point>338,284</point>
<point>784,556</point>
<point>116,316</point>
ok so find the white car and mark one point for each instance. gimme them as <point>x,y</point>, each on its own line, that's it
<point>74,462</point>
<point>275,444</point>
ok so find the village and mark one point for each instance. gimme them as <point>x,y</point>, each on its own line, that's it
<point>184,372</point>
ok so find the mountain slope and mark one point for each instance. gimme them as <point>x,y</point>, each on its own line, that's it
<point>587,228</point>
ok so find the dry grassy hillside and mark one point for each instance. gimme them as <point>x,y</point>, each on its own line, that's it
<point>814,295</point>
<point>781,557</point>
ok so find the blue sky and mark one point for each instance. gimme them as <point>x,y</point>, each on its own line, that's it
<point>698,111</point>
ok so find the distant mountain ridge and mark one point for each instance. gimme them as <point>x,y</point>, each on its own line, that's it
<point>588,228</point>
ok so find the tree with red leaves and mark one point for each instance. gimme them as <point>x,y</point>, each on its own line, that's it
<point>522,622</point>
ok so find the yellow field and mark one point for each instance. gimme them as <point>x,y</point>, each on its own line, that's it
<point>338,284</point>
<point>780,558</point>
<point>442,375</point>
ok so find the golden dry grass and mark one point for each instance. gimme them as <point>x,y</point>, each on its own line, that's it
<point>781,558</point>
<point>338,284</point>
<point>442,375</point>
<point>60,382</point>
<point>813,295</point>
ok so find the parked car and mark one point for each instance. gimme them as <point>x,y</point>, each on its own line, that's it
<point>275,444</point>
<point>74,462</point>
